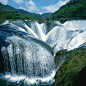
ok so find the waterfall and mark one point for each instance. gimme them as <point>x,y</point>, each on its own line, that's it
<point>28,48</point>
<point>27,57</point>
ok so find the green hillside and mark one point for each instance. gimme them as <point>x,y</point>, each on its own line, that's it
<point>12,15</point>
<point>46,15</point>
<point>7,8</point>
<point>74,9</point>
<point>31,15</point>
<point>8,12</point>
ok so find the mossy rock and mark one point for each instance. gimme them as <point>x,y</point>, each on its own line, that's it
<point>70,70</point>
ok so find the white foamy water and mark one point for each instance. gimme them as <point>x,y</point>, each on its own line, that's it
<point>6,22</point>
<point>17,78</point>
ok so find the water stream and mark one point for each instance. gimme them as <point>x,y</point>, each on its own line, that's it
<point>27,50</point>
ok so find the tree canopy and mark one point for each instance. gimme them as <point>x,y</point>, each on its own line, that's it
<point>75,9</point>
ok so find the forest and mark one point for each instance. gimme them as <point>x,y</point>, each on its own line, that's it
<point>75,9</point>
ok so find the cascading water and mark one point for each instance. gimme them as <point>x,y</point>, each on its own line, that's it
<point>28,49</point>
<point>24,53</point>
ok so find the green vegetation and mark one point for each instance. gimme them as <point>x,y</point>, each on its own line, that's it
<point>75,9</point>
<point>69,72</point>
<point>31,15</point>
<point>8,12</point>
<point>12,15</point>
<point>46,15</point>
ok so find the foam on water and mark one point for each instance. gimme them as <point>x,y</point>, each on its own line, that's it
<point>42,35</point>
<point>17,78</point>
<point>77,41</point>
<point>30,30</point>
<point>75,25</point>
